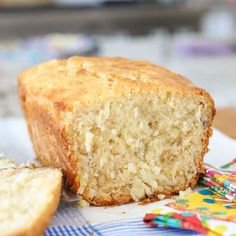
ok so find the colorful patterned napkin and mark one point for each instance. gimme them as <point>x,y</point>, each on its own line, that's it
<point>222,181</point>
<point>210,211</point>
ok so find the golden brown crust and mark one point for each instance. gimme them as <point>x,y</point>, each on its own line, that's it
<point>50,90</point>
<point>49,141</point>
<point>62,83</point>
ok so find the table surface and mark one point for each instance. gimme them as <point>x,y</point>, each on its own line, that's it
<point>225,121</point>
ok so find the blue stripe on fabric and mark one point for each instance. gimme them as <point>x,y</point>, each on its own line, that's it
<point>81,231</point>
<point>86,229</point>
<point>68,214</point>
<point>95,230</point>
<point>61,230</point>
<point>69,231</point>
<point>54,230</point>
<point>75,232</point>
<point>48,232</point>
<point>137,226</point>
<point>130,227</point>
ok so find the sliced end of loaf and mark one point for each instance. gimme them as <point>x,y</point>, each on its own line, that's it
<point>137,147</point>
<point>28,199</point>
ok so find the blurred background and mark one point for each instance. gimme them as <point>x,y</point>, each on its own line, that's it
<point>196,38</point>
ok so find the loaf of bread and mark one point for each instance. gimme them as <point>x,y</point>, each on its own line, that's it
<point>28,199</point>
<point>121,130</point>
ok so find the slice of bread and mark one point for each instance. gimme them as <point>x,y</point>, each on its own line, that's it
<point>5,163</point>
<point>28,199</point>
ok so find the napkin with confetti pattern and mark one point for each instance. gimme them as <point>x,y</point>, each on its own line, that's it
<point>210,211</point>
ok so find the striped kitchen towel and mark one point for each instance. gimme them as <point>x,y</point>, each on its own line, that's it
<point>70,221</point>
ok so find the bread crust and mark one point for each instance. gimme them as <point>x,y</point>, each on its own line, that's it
<point>40,224</point>
<point>50,90</point>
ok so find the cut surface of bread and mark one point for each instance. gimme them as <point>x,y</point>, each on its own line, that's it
<point>121,130</point>
<point>28,200</point>
<point>6,163</point>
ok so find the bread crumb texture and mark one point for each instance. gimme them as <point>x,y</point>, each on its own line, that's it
<point>6,163</point>
<point>139,145</point>
<point>131,130</point>
<point>28,198</point>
